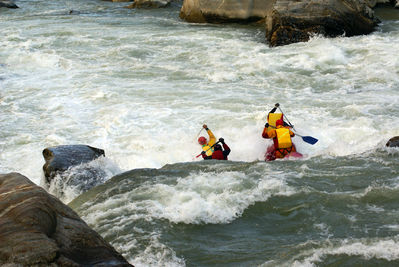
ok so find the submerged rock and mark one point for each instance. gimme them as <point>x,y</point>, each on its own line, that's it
<point>74,169</point>
<point>60,158</point>
<point>36,229</point>
<point>8,4</point>
<point>393,142</point>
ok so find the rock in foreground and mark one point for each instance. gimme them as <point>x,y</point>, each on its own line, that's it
<point>36,229</point>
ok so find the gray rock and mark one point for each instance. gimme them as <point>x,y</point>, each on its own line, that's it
<point>149,4</point>
<point>393,142</point>
<point>36,229</point>
<point>60,158</point>
<point>8,4</point>
<point>224,10</point>
<point>295,21</point>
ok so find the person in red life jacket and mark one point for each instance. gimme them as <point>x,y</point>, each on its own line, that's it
<point>218,152</point>
<point>282,141</point>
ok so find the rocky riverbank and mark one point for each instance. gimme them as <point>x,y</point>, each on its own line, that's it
<point>36,229</point>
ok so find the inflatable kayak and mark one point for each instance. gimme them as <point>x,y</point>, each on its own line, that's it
<point>270,154</point>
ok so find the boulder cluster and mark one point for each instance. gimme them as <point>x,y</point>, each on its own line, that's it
<point>288,21</point>
<point>285,21</point>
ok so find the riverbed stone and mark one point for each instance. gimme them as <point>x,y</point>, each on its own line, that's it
<point>149,4</point>
<point>60,158</point>
<point>37,229</point>
<point>224,10</point>
<point>8,4</point>
<point>393,142</point>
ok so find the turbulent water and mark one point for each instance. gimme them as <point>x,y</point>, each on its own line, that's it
<point>140,83</point>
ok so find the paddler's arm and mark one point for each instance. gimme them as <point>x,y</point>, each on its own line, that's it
<point>275,107</point>
<point>273,110</point>
<point>264,133</point>
<point>212,138</point>
<point>271,133</point>
<point>226,150</point>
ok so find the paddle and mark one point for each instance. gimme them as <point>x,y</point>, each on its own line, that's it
<point>308,139</point>
<point>198,133</point>
<point>207,149</point>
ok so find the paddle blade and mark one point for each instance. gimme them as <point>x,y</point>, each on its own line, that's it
<point>309,140</point>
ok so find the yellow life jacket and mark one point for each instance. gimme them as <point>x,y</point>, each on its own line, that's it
<point>271,119</point>
<point>283,138</point>
<point>208,149</point>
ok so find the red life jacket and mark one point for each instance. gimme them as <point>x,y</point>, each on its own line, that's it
<point>218,154</point>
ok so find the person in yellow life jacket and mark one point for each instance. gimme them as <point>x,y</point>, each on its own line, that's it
<point>207,145</point>
<point>272,118</point>
<point>283,145</point>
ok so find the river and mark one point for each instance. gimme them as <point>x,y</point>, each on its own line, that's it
<point>140,83</point>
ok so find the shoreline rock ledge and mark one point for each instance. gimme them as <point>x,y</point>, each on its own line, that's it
<point>287,21</point>
<point>36,229</point>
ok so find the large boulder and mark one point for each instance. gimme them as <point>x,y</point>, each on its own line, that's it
<point>288,21</point>
<point>8,4</point>
<point>393,142</point>
<point>36,229</point>
<point>296,21</point>
<point>225,10</point>
<point>60,158</point>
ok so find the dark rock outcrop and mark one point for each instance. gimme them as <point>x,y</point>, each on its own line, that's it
<point>8,4</point>
<point>60,158</point>
<point>36,229</point>
<point>295,21</point>
<point>393,142</point>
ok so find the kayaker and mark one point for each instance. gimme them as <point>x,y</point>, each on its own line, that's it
<point>282,141</point>
<point>271,121</point>
<point>207,145</point>
<point>219,153</point>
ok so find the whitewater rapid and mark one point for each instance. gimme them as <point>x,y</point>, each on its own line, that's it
<point>141,83</point>
<point>142,87</point>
